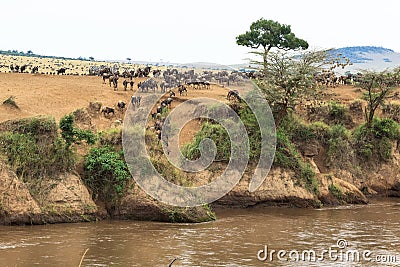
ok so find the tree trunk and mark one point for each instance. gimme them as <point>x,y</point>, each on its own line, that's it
<point>281,115</point>
<point>265,62</point>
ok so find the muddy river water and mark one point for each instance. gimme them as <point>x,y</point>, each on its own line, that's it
<point>344,236</point>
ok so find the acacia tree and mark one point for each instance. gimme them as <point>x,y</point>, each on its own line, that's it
<point>269,34</point>
<point>378,87</point>
<point>290,78</point>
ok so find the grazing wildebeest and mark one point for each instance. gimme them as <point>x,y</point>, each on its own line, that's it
<point>61,71</point>
<point>108,111</point>
<point>105,76</point>
<point>16,68</point>
<point>233,93</point>
<point>135,100</point>
<point>171,93</point>
<point>156,73</point>
<point>23,68</point>
<point>35,69</point>
<point>131,84</point>
<point>113,80</point>
<point>125,83</point>
<point>182,89</point>
<point>121,105</point>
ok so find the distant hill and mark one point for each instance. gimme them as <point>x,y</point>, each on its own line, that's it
<point>361,57</point>
<point>369,58</point>
<point>31,54</point>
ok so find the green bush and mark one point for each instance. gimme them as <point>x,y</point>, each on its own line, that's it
<point>386,128</point>
<point>384,147</point>
<point>337,112</point>
<point>378,129</point>
<point>296,129</point>
<point>336,191</point>
<point>307,175</point>
<point>75,135</point>
<point>32,160</point>
<point>253,130</point>
<point>105,172</point>
<point>216,133</point>
<point>287,156</point>
<point>376,139</point>
<point>111,136</point>
<point>339,144</point>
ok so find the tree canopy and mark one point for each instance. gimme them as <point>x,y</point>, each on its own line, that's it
<point>378,86</point>
<point>269,34</point>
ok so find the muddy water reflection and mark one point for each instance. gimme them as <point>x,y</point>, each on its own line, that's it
<point>233,240</point>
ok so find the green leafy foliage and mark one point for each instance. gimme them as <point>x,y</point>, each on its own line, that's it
<point>289,80</point>
<point>106,172</point>
<point>75,135</point>
<point>376,139</point>
<point>253,130</point>
<point>32,160</point>
<point>337,112</point>
<point>287,156</point>
<point>270,34</point>
<point>216,133</point>
<point>378,87</point>
<point>336,191</point>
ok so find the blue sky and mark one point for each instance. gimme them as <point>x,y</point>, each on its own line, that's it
<point>187,31</point>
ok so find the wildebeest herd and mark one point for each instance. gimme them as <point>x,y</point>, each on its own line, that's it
<point>151,79</point>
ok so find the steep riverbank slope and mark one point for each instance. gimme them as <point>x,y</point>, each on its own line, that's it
<point>62,196</point>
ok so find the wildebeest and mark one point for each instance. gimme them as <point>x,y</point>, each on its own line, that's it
<point>35,69</point>
<point>108,111</point>
<point>182,89</point>
<point>143,72</point>
<point>233,93</point>
<point>125,83</point>
<point>167,102</point>
<point>105,76</point>
<point>121,105</point>
<point>23,68</point>
<point>135,100</point>
<point>156,73</point>
<point>61,71</point>
<point>113,80</point>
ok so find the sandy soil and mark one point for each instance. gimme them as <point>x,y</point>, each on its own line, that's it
<point>58,95</point>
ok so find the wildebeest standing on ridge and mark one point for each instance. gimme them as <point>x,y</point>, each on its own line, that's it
<point>61,71</point>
